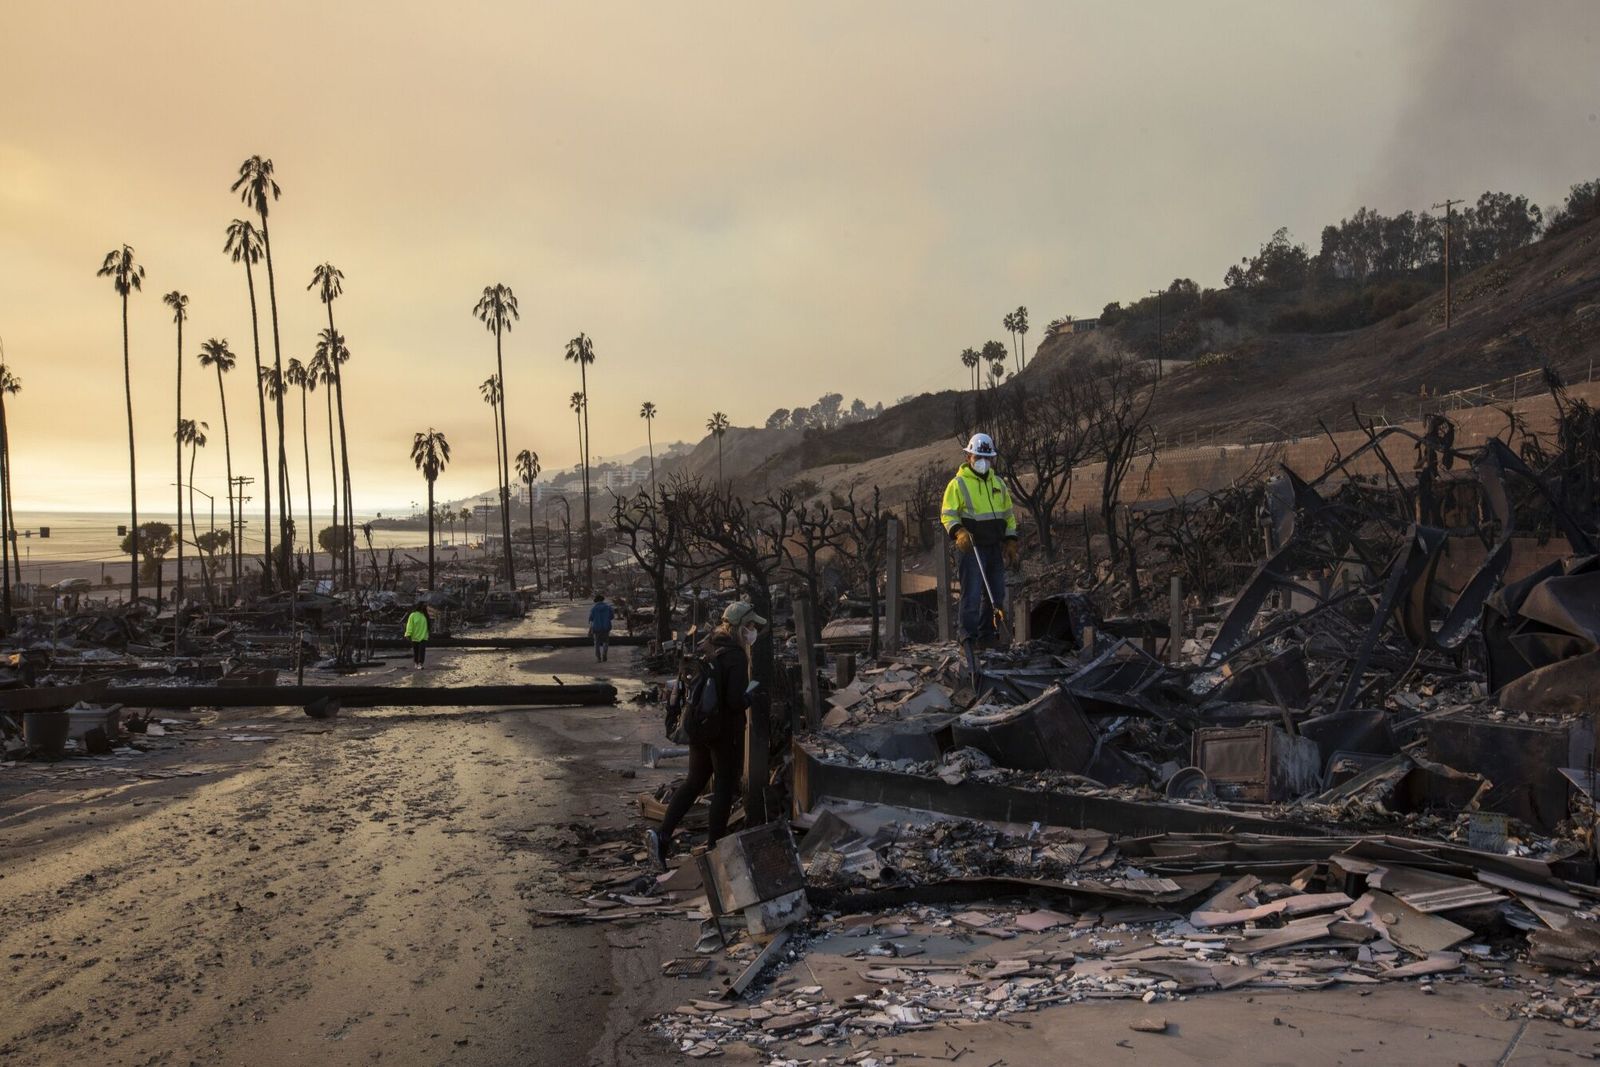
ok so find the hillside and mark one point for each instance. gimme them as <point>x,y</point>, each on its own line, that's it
<point>1538,304</point>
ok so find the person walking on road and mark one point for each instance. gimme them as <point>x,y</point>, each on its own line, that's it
<point>716,732</point>
<point>417,634</point>
<point>600,618</point>
<point>979,517</point>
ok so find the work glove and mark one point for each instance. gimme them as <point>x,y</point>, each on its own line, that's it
<point>963,541</point>
<point>1013,552</point>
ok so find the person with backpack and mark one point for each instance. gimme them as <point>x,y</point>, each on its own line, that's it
<point>713,722</point>
<point>600,619</point>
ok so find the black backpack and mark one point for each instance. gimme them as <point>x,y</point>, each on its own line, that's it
<point>702,710</point>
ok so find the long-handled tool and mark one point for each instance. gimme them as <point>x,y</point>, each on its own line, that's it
<point>1000,621</point>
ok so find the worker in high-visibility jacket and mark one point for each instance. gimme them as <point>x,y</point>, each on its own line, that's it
<point>981,520</point>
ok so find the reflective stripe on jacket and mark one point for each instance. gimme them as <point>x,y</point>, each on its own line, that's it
<point>980,504</point>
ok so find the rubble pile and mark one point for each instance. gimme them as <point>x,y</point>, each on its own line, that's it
<point>1373,762</point>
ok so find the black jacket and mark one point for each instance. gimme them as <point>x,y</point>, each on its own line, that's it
<point>730,668</point>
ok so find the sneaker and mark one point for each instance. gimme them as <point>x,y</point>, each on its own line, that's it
<point>653,845</point>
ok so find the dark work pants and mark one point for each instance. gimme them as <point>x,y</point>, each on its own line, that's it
<point>722,759</point>
<point>977,614</point>
<point>419,652</point>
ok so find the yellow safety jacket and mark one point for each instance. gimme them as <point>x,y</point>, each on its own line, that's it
<point>980,504</point>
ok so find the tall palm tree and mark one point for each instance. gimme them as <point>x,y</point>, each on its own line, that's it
<point>718,425</point>
<point>970,360</point>
<point>1009,321</point>
<point>647,412</point>
<point>528,470</point>
<point>497,310</point>
<point>273,385</point>
<point>180,311</point>
<point>126,277</point>
<point>490,391</point>
<point>329,349</point>
<point>328,281</point>
<point>257,189</point>
<point>214,352</point>
<point>193,434</point>
<point>244,245</point>
<point>10,385</point>
<point>431,453</point>
<point>580,350</point>
<point>1019,322</point>
<point>995,353</point>
<point>296,373</point>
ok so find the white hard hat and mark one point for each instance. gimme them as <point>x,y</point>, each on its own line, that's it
<point>981,445</point>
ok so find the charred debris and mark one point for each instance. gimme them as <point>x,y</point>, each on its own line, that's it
<point>1304,732</point>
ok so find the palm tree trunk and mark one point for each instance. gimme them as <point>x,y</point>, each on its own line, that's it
<point>177,592</point>
<point>349,552</point>
<point>11,510</point>
<point>505,464</point>
<point>430,534</point>
<point>533,541</point>
<point>261,404</point>
<point>284,536</point>
<point>333,484</point>
<point>650,441</point>
<point>719,462</point>
<point>133,475</point>
<point>588,548</point>
<point>227,452</point>
<point>582,452</point>
<point>305,446</point>
<point>6,522</point>
<point>205,574</point>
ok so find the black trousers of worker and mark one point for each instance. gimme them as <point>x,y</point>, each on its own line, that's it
<point>722,759</point>
<point>419,652</point>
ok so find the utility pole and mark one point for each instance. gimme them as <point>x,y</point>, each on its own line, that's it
<point>1447,205</point>
<point>1160,334</point>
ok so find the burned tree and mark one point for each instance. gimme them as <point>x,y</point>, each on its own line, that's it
<point>721,532</point>
<point>649,526</point>
<point>863,522</point>
<point>815,529</point>
<point>922,509</point>
<point>1116,395</point>
<point>1043,437</point>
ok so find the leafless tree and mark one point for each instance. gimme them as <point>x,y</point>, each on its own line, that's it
<point>650,527</point>
<point>1116,396</point>
<point>816,528</point>
<point>922,510</point>
<point>722,533</point>
<point>864,528</point>
<point>1043,436</point>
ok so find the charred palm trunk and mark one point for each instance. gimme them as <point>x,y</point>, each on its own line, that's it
<point>133,474</point>
<point>505,464</point>
<point>227,453</point>
<point>177,592</point>
<point>285,542</point>
<point>333,484</point>
<point>266,456</point>
<point>311,519</point>
<point>588,548</point>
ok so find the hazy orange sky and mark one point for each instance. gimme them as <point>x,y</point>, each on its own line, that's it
<point>745,205</point>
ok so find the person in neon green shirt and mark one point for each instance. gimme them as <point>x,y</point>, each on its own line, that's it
<point>417,634</point>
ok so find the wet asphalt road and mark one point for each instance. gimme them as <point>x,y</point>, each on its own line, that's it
<point>349,892</point>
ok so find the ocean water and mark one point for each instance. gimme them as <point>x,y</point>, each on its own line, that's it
<point>91,537</point>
